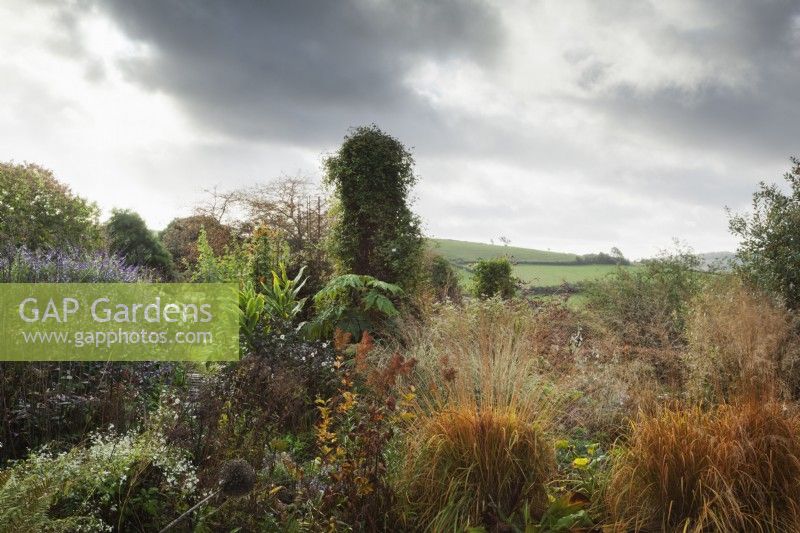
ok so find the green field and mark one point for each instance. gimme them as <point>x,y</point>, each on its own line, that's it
<point>462,252</point>
<point>559,267</point>
<point>554,275</point>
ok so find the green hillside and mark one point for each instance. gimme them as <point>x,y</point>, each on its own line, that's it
<point>461,252</point>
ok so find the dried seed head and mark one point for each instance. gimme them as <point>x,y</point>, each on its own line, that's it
<point>237,478</point>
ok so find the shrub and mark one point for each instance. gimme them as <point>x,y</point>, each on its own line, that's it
<point>353,304</point>
<point>269,392</point>
<point>736,468</point>
<point>647,306</point>
<point>443,278</point>
<point>492,277</point>
<point>769,252</point>
<point>66,266</point>
<point>740,341</point>
<point>181,234</point>
<point>354,437</point>
<point>602,258</point>
<point>38,212</point>
<point>129,238</point>
<point>114,483</point>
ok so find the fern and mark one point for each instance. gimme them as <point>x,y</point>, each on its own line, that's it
<point>354,304</point>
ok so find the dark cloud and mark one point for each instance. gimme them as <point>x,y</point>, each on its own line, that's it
<point>301,71</point>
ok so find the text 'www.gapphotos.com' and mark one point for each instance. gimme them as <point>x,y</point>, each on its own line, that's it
<point>80,339</point>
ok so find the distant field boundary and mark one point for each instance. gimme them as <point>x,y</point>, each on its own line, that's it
<point>466,264</point>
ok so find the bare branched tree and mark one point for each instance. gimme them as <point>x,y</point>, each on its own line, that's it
<point>289,206</point>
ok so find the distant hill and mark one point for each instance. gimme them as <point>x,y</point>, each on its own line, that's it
<point>464,252</point>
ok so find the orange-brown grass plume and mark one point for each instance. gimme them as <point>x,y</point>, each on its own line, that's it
<point>735,468</point>
<point>478,449</point>
<point>739,341</point>
<point>471,468</point>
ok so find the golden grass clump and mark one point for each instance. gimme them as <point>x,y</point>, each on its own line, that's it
<point>468,468</point>
<point>478,448</point>
<point>740,342</point>
<point>734,468</point>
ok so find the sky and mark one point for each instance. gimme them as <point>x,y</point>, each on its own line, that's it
<point>560,124</point>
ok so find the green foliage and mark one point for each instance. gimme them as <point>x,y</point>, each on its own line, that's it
<point>282,295</point>
<point>234,265</point>
<point>648,306</point>
<point>770,246</point>
<point>181,234</point>
<point>493,277</point>
<point>277,302</point>
<point>251,309</point>
<point>129,237</point>
<point>375,233</point>
<point>583,466</point>
<point>36,211</point>
<point>353,304</point>
<point>564,515</point>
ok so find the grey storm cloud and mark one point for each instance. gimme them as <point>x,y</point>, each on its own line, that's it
<point>300,71</point>
<point>304,71</point>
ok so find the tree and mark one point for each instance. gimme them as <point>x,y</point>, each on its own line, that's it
<point>375,232</point>
<point>36,211</point>
<point>180,238</point>
<point>493,277</point>
<point>442,278</point>
<point>129,237</point>
<point>769,252</point>
<point>283,213</point>
<point>618,257</point>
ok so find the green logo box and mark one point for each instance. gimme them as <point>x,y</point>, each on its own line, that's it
<point>119,322</point>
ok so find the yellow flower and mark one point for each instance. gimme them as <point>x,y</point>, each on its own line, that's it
<point>580,462</point>
<point>562,444</point>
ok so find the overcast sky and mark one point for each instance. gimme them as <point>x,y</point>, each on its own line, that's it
<point>569,125</point>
